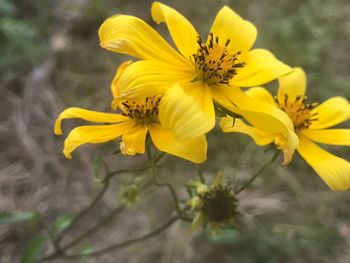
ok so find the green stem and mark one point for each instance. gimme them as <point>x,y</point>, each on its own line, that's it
<point>153,166</point>
<point>122,171</point>
<point>94,229</point>
<point>58,250</point>
<point>81,214</point>
<point>141,169</point>
<point>274,157</point>
<point>126,243</point>
<point>100,224</point>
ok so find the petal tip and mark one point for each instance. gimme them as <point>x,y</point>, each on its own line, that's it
<point>67,155</point>
<point>57,128</point>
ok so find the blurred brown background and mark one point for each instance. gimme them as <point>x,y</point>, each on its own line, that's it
<point>50,59</point>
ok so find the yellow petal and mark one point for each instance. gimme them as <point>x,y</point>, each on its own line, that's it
<point>229,25</point>
<point>333,136</point>
<point>195,203</point>
<point>197,221</point>
<point>181,30</point>
<point>261,66</point>
<point>201,188</point>
<point>331,112</point>
<point>114,86</point>
<point>333,170</point>
<point>132,36</point>
<point>148,78</point>
<point>261,94</point>
<point>134,140</point>
<point>93,134</point>
<point>260,137</point>
<point>288,156</point>
<point>194,150</point>
<point>88,115</point>
<point>201,93</point>
<point>292,85</point>
<point>263,116</point>
<point>183,115</point>
<point>217,180</point>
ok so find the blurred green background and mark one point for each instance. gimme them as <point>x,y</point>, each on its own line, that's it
<point>50,59</point>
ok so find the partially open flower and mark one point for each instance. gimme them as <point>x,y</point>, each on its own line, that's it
<point>215,204</point>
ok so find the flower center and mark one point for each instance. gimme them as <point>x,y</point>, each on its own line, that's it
<point>299,111</point>
<point>219,205</point>
<point>144,111</point>
<point>214,63</point>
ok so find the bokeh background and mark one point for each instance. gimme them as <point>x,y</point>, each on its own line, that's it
<point>50,59</point>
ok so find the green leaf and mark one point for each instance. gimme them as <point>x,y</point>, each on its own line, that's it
<point>7,8</point>
<point>61,223</point>
<point>34,249</point>
<point>17,217</point>
<point>88,250</point>
<point>85,251</point>
<point>200,175</point>
<point>98,162</point>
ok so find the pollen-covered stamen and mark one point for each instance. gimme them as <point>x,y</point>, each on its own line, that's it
<point>299,111</point>
<point>143,111</point>
<point>214,63</point>
<point>219,205</point>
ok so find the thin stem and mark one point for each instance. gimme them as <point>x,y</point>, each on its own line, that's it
<point>94,229</point>
<point>141,169</point>
<point>126,243</point>
<point>118,151</point>
<point>171,189</point>
<point>100,224</point>
<point>116,172</point>
<point>274,157</point>
<point>106,182</point>
<point>58,250</point>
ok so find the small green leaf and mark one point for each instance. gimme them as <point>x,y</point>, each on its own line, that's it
<point>98,162</point>
<point>61,223</point>
<point>17,217</point>
<point>88,250</point>
<point>200,175</point>
<point>34,249</point>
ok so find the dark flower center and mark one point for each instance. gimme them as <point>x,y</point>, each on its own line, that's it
<point>214,63</point>
<point>219,205</point>
<point>144,112</point>
<point>299,111</point>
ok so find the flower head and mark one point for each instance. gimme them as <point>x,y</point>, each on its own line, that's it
<point>208,71</point>
<point>216,204</point>
<point>137,118</point>
<point>311,122</point>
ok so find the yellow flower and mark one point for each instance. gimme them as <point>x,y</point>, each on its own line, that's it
<point>311,123</point>
<point>209,71</point>
<point>138,117</point>
<point>216,204</point>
